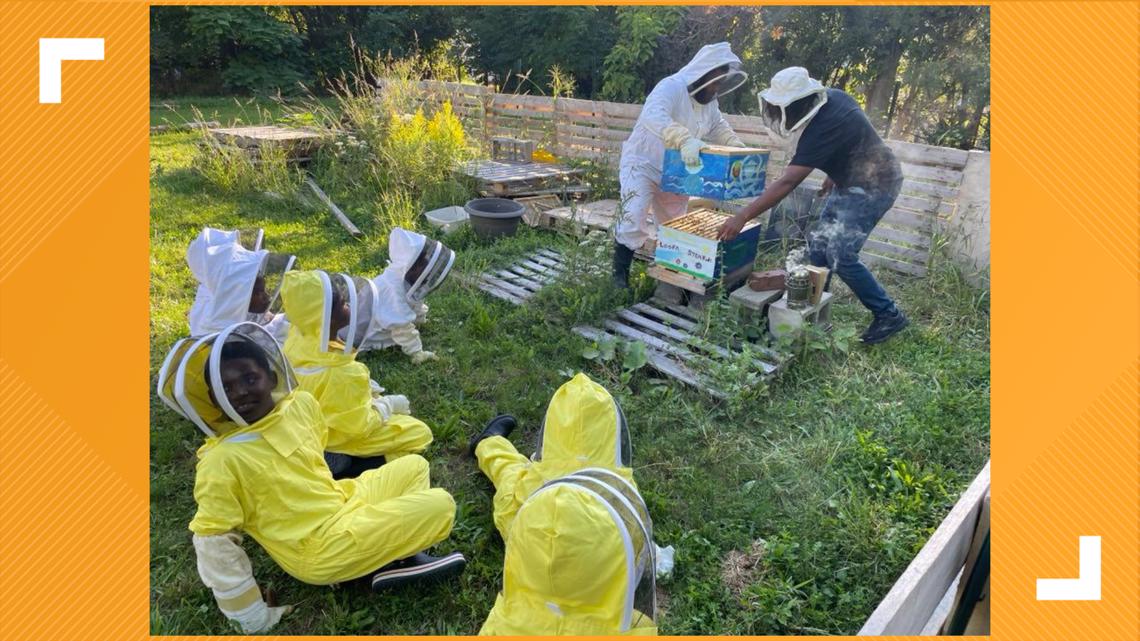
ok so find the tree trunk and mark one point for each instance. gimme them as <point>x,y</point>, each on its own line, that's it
<point>891,110</point>
<point>975,122</point>
<point>879,95</point>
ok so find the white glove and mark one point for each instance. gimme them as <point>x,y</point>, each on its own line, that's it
<point>382,407</point>
<point>664,558</point>
<point>399,404</point>
<point>691,152</point>
<point>375,388</point>
<point>423,356</point>
<point>259,617</point>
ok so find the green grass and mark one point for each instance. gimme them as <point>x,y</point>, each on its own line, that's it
<point>843,469</point>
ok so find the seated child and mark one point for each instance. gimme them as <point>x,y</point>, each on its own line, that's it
<point>418,265</point>
<point>360,421</point>
<point>261,472</point>
<point>235,283</point>
<point>580,557</point>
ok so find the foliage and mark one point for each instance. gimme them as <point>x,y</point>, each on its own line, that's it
<point>517,46</point>
<point>641,28</point>
<point>922,73</point>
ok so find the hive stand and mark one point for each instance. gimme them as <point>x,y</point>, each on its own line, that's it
<point>753,305</point>
<point>787,321</point>
<point>677,288</point>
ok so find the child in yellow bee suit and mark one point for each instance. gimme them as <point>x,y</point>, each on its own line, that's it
<point>580,558</point>
<point>261,472</point>
<point>361,422</point>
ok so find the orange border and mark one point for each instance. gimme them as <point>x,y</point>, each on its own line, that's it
<point>74,353</point>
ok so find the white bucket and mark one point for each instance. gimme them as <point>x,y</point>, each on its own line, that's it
<point>447,219</point>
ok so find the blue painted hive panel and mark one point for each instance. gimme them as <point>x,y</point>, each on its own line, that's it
<point>725,173</point>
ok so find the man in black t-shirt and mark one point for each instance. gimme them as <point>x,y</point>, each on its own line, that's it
<point>831,133</point>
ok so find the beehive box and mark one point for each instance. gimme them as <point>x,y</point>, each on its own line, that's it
<point>725,173</point>
<point>688,245</point>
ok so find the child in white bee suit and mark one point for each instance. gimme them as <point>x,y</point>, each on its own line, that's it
<point>261,472</point>
<point>237,281</point>
<point>394,303</point>
<point>323,341</point>
<point>580,557</point>
<point>680,113</point>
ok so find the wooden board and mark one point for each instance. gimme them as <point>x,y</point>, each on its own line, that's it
<point>521,280</point>
<point>255,136</point>
<point>672,348</point>
<point>495,171</point>
<point>914,597</point>
<point>901,266</point>
<point>580,219</point>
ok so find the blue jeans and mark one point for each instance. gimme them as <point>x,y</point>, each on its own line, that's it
<point>847,219</point>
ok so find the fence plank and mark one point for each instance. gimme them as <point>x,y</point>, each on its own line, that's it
<point>907,254</point>
<point>598,132</point>
<point>928,155</point>
<point>909,219</point>
<point>901,236</point>
<point>891,263</point>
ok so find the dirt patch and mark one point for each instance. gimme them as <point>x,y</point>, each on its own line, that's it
<point>740,569</point>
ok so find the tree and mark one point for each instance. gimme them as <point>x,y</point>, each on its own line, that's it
<point>519,45</point>
<point>642,29</point>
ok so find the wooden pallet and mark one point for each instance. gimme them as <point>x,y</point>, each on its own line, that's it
<point>502,178</point>
<point>580,219</point>
<point>518,282</point>
<point>667,331</point>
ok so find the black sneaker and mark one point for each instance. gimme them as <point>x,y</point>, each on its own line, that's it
<point>501,425</point>
<point>419,568</point>
<point>884,327</point>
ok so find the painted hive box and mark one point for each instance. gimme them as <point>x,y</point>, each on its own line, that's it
<point>688,245</point>
<point>725,173</point>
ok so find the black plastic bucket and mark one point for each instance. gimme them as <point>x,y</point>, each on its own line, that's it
<point>494,217</point>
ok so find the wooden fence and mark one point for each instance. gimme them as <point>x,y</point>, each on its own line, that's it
<point>595,130</point>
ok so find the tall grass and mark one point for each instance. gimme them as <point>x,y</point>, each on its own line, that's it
<point>387,154</point>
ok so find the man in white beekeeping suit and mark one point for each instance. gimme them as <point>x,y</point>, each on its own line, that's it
<point>680,113</point>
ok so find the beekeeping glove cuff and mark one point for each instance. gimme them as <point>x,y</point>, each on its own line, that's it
<point>407,337</point>
<point>675,135</point>
<point>226,570</point>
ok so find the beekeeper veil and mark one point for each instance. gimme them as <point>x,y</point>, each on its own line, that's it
<point>364,324</point>
<point>428,262</point>
<point>235,283</point>
<point>717,64</point>
<point>583,544</point>
<point>190,379</point>
<point>793,99</point>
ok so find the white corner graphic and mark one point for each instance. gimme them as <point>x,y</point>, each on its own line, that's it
<point>53,51</point>
<point>1084,588</point>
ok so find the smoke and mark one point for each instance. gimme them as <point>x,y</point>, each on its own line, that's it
<point>795,263</point>
<point>833,236</point>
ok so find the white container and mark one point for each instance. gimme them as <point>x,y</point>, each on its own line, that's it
<point>447,219</point>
